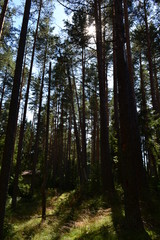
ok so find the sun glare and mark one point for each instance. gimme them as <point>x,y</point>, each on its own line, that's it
<point>91,30</point>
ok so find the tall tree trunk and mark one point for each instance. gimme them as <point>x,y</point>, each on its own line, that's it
<point>129,55</point>
<point>2,16</point>
<point>130,139</point>
<point>94,130</point>
<point>149,56</point>
<point>38,128</point>
<point>54,153</point>
<point>153,84</point>
<point>67,169</point>
<point>115,92</point>
<point>143,104</point>
<point>115,80</point>
<point>156,83</point>
<point>97,144</point>
<point>3,90</point>
<point>61,146</point>
<point>22,79</point>
<point>77,99</point>
<point>21,134</point>
<point>84,157</point>
<point>107,178</point>
<point>78,146</point>
<point>145,128</point>
<point>45,174</point>
<point>12,120</point>
<point>105,69</point>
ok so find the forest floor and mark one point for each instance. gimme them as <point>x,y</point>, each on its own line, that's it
<point>71,217</point>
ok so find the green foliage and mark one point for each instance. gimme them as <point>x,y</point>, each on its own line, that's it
<point>69,216</point>
<point>24,188</point>
<point>77,29</point>
<point>94,185</point>
<point>8,230</point>
<point>74,215</point>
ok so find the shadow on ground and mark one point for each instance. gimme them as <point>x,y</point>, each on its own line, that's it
<point>73,217</point>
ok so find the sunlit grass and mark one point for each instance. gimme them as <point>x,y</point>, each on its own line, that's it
<point>87,225</point>
<point>69,217</point>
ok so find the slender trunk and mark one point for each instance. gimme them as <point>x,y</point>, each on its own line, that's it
<point>97,144</point>
<point>145,127</point>
<point>21,134</point>
<point>158,103</point>
<point>107,105</point>
<point>69,138</point>
<point>115,81</point>
<point>115,92</point>
<point>12,120</point>
<point>129,55</point>
<point>107,178</point>
<point>144,110</point>
<point>84,157</point>
<point>68,151</point>
<point>74,84</point>
<point>61,146</point>
<point>105,69</point>
<point>22,80</point>
<point>3,91</point>
<point>54,153</point>
<point>38,128</point>
<point>2,16</point>
<point>2,95</point>
<point>144,105</point>
<point>116,111</point>
<point>156,83</point>
<point>94,132</point>
<point>45,174</point>
<point>130,140</point>
<point>79,153</point>
<point>149,56</point>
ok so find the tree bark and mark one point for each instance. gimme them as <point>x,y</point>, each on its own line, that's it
<point>21,134</point>
<point>3,91</point>
<point>78,146</point>
<point>12,120</point>
<point>130,139</point>
<point>84,157</point>
<point>106,171</point>
<point>2,16</point>
<point>45,174</point>
<point>156,83</point>
<point>94,130</point>
<point>116,103</point>
<point>149,56</point>
<point>38,128</point>
<point>68,152</point>
<point>129,55</point>
<point>61,146</point>
<point>145,128</point>
<point>77,99</point>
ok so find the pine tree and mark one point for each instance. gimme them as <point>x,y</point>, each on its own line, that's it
<point>130,140</point>
<point>2,16</point>
<point>106,170</point>
<point>45,171</point>
<point>21,134</point>
<point>12,120</point>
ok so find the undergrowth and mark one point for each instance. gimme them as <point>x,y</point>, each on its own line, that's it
<point>71,216</point>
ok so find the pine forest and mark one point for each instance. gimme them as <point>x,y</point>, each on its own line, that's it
<point>80,120</point>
